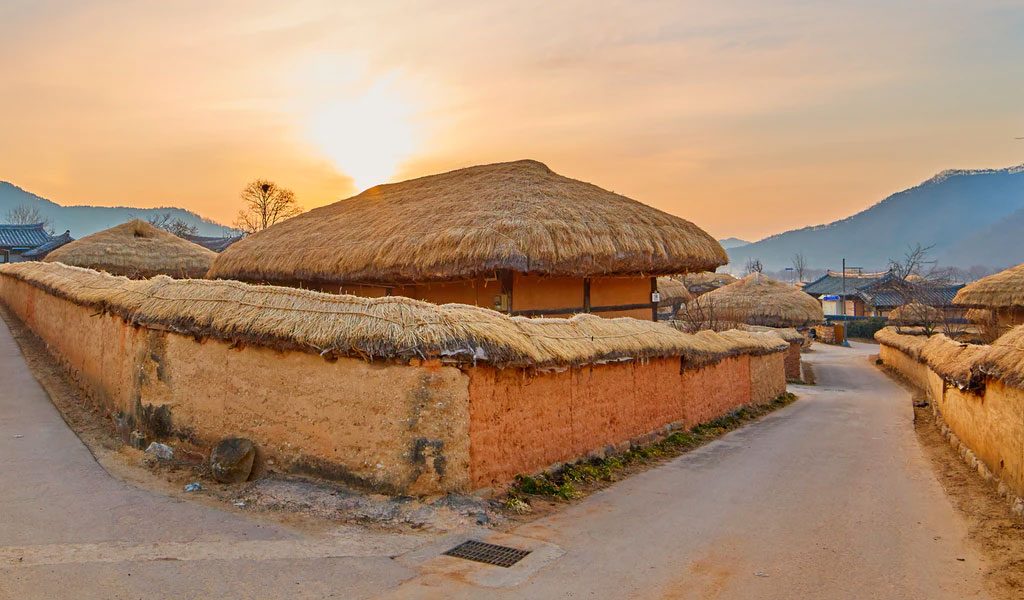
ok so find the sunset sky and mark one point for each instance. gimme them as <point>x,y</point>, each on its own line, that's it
<point>745,116</point>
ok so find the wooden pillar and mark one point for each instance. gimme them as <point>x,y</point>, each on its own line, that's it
<point>586,294</point>
<point>654,305</point>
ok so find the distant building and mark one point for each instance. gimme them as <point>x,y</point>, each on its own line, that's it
<point>833,290</point>
<point>877,294</point>
<point>15,240</point>
<point>40,252</point>
<point>217,244</point>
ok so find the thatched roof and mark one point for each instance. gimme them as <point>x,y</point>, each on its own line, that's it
<point>706,281</point>
<point>672,291</point>
<point>1005,358</point>
<point>759,300</point>
<point>787,333</point>
<point>135,249</point>
<point>519,216</point>
<point>965,365</point>
<point>979,316</point>
<point>1004,289</point>
<point>915,313</point>
<point>378,328</point>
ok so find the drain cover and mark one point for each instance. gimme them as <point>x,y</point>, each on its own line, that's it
<point>492,554</point>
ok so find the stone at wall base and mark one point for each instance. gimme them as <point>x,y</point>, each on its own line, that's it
<point>231,460</point>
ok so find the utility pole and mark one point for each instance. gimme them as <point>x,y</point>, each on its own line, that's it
<point>842,297</point>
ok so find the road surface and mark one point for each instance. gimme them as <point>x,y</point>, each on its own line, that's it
<point>830,497</point>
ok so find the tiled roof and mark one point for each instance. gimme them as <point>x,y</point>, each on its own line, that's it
<point>40,252</point>
<point>892,292</point>
<point>217,244</point>
<point>832,283</point>
<point>22,237</point>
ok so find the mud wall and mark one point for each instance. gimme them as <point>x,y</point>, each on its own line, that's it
<point>393,427</point>
<point>523,422</point>
<point>989,421</point>
<point>792,361</point>
<point>767,377</point>
<point>416,427</point>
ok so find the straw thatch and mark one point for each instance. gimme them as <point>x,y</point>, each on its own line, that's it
<point>980,316</point>
<point>1005,289</point>
<point>382,328</point>
<point>964,365</point>
<point>135,249</point>
<point>911,345</point>
<point>672,292</point>
<point>1005,358</point>
<point>759,300</point>
<point>787,333</point>
<point>519,216</point>
<point>955,362</point>
<point>915,313</point>
<point>702,283</point>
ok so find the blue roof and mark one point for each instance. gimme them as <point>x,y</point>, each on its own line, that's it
<point>22,237</point>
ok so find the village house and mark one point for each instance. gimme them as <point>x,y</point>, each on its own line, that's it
<point>137,250</point>
<point>15,240</point>
<point>514,237</point>
<point>998,297</point>
<point>877,294</point>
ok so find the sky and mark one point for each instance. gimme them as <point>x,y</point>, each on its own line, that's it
<point>747,117</point>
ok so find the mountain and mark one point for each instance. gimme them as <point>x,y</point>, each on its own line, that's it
<point>732,242</point>
<point>971,218</point>
<point>83,220</point>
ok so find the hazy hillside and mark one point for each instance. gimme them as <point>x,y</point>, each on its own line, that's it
<point>1000,245</point>
<point>970,216</point>
<point>83,220</point>
<point>732,242</point>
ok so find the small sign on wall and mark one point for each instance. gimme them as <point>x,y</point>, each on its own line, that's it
<point>655,297</point>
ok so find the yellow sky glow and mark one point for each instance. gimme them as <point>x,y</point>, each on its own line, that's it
<point>743,116</point>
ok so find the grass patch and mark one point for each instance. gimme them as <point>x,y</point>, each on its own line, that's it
<point>573,480</point>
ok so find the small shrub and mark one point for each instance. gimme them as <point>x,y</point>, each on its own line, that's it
<point>864,328</point>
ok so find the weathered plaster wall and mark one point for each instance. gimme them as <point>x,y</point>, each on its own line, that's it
<point>523,422</point>
<point>792,361</point>
<point>396,427</point>
<point>420,427</point>
<point>915,372</point>
<point>989,422</point>
<point>767,377</point>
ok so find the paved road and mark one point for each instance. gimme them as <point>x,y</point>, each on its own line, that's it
<point>828,498</point>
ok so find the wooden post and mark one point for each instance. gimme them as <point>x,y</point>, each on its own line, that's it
<point>586,294</point>
<point>654,305</point>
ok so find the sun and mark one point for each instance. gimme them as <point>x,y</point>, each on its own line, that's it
<point>367,134</point>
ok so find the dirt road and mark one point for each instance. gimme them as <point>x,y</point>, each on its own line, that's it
<point>830,497</point>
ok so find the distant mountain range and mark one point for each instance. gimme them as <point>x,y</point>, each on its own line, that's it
<point>971,218</point>
<point>732,242</point>
<point>83,220</point>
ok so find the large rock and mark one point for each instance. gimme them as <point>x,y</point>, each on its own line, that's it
<point>231,460</point>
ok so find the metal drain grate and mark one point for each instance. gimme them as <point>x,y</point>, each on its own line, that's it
<point>491,554</point>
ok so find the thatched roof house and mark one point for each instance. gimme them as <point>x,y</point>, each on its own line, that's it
<point>1002,293</point>
<point>514,236</point>
<point>138,250</point>
<point>916,313</point>
<point>673,294</point>
<point>759,300</point>
<point>704,282</point>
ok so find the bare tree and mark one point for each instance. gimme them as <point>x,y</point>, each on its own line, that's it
<point>265,204</point>
<point>753,266</point>
<point>799,265</point>
<point>175,225</point>
<point>700,314</point>
<point>919,279</point>
<point>916,262</point>
<point>24,214</point>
